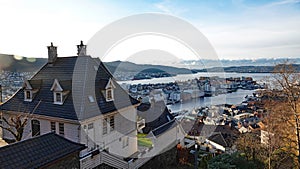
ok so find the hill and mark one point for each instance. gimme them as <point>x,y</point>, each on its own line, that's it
<point>23,64</point>
<point>20,64</point>
<point>124,66</point>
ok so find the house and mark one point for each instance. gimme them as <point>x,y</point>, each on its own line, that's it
<point>221,137</point>
<point>46,151</point>
<point>155,115</point>
<point>164,131</point>
<point>221,141</point>
<point>77,98</point>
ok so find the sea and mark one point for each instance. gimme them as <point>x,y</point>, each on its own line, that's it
<point>229,98</point>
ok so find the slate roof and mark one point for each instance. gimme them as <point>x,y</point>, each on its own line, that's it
<point>85,77</point>
<point>200,129</point>
<point>222,139</point>
<point>165,127</point>
<point>155,114</point>
<point>37,151</point>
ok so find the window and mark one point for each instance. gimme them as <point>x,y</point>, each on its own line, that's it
<point>91,99</point>
<point>109,90</point>
<point>1,118</point>
<point>112,123</point>
<point>61,129</point>
<point>109,94</point>
<point>105,126</point>
<point>35,128</point>
<point>125,141</point>
<point>90,126</point>
<point>53,126</point>
<point>57,97</point>
<point>27,95</point>
<point>59,94</point>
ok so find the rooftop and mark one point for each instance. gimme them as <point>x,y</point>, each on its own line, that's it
<point>37,152</point>
<point>84,77</point>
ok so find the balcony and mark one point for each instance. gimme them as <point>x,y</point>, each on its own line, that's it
<point>140,125</point>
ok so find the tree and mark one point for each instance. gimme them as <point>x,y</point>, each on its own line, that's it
<point>226,161</point>
<point>278,144</point>
<point>249,145</point>
<point>282,120</point>
<point>286,80</point>
<point>15,124</point>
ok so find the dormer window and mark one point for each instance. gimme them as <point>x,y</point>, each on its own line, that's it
<point>58,98</point>
<point>59,94</point>
<point>109,90</point>
<point>109,94</point>
<point>27,95</point>
<point>31,87</point>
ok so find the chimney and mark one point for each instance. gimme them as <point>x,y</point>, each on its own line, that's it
<point>52,53</point>
<point>81,49</point>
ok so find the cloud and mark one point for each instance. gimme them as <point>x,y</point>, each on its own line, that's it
<point>284,2</point>
<point>170,7</point>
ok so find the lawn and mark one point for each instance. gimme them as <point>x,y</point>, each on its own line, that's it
<point>143,141</point>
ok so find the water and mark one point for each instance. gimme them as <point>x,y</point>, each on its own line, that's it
<point>183,77</point>
<point>229,98</point>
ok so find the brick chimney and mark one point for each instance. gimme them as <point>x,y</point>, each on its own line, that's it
<point>81,49</point>
<point>52,53</point>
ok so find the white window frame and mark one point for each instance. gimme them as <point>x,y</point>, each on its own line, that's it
<point>56,101</point>
<point>125,141</point>
<point>111,126</point>
<point>107,94</point>
<point>25,95</point>
<point>53,130</point>
<point>105,126</point>
<point>109,88</point>
<point>61,132</point>
<point>90,126</point>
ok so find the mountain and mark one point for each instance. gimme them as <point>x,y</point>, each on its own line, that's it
<point>245,69</point>
<point>209,63</point>
<point>124,66</point>
<point>23,64</point>
<point>20,64</point>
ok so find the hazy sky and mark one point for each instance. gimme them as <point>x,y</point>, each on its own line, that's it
<point>236,28</point>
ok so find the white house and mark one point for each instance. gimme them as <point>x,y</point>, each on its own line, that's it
<point>78,98</point>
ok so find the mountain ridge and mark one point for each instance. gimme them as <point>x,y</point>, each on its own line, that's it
<point>24,64</point>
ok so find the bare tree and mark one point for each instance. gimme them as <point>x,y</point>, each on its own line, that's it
<point>283,115</point>
<point>287,81</point>
<point>15,124</point>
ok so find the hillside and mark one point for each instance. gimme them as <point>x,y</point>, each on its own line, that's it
<point>15,64</point>
<point>11,63</point>
<point>121,66</point>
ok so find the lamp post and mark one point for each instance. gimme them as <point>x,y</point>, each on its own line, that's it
<point>196,155</point>
<point>196,148</point>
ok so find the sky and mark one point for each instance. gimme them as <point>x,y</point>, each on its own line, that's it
<point>237,29</point>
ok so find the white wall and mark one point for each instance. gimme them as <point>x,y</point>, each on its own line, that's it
<point>125,126</point>
<point>166,140</point>
<point>70,130</point>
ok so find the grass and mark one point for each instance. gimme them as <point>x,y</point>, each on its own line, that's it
<point>143,141</point>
